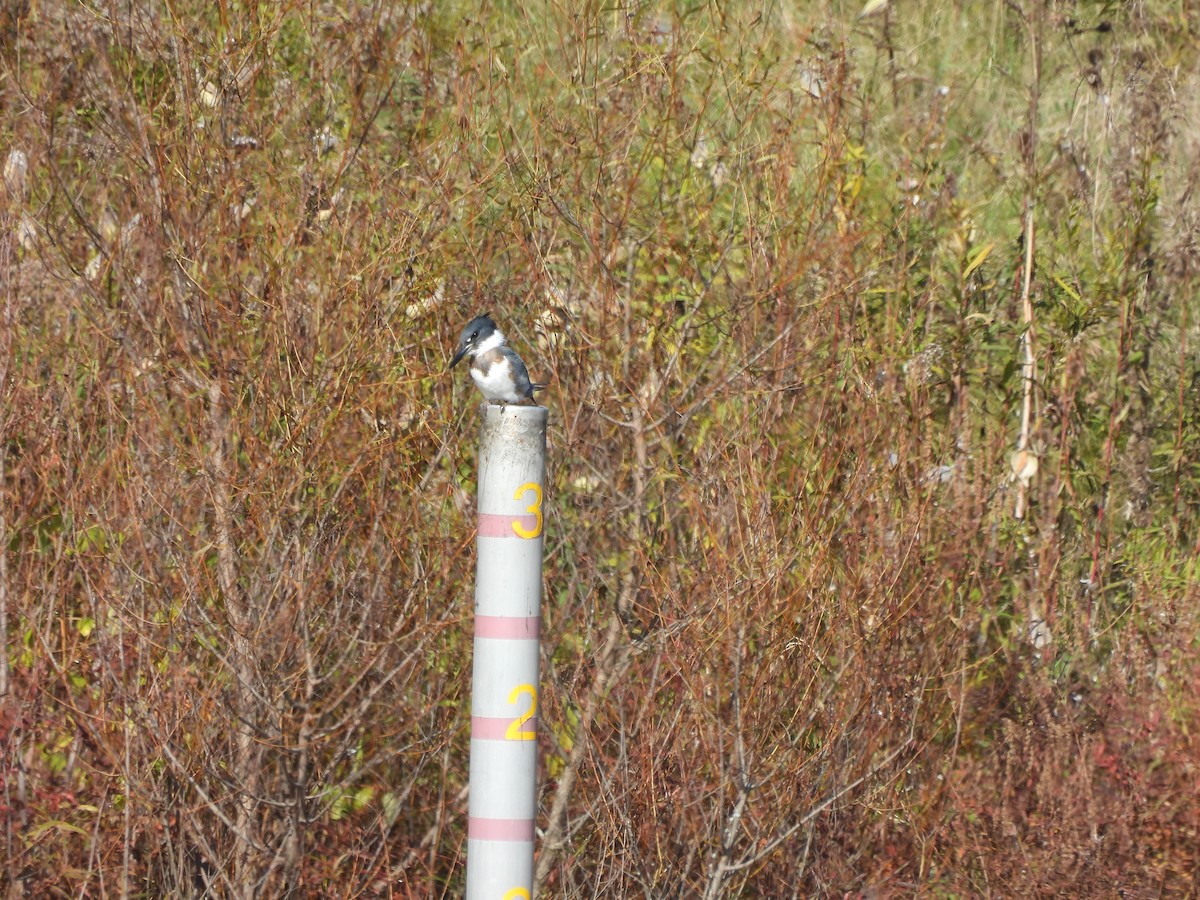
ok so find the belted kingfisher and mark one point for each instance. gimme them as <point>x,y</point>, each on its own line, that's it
<point>497,370</point>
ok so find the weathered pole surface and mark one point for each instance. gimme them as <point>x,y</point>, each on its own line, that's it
<point>502,808</point>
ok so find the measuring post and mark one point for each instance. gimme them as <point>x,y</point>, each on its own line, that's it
<point>502,807</point>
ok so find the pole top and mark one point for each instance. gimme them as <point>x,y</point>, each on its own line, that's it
<point>493,414</point>
<point>512,429</point>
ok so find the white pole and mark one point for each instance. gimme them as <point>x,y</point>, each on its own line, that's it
<point>502,808</point>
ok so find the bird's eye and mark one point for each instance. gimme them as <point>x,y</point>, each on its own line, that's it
<point>474,334</point>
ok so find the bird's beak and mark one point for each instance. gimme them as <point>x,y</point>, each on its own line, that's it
<point>462,351</point>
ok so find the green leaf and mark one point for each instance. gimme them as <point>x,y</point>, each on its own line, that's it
<point>363,797</point>
<point>390,804</point>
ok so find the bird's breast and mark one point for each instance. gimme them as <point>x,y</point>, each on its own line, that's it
<point>493,375</point>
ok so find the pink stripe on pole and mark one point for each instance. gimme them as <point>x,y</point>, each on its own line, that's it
<point>491,728</point>
<point>480,829</point>
<point>514,628</point>
<point>497,525</point>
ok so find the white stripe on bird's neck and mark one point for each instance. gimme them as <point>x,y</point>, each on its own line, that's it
<point>491,342</point>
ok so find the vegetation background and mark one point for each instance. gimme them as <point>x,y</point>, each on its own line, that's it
<point>804,282</point>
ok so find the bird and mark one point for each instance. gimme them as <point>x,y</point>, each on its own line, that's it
<point>496,369</point>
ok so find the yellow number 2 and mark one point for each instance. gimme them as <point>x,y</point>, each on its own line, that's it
<point>535,507</point>
<point>516,730</point>
<point>516,894</point>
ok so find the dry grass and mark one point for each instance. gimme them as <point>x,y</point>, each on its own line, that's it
<point>796,641</point>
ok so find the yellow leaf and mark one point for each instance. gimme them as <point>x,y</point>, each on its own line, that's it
<point>977,259</point>
<point>53,825</point>
<point>1066,287</point>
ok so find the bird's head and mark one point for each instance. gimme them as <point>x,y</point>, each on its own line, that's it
<point>479,330</point>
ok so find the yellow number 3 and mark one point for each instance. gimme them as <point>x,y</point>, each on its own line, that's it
<point>535,507</point>
<point>516,729</point>
<point>516,894</point>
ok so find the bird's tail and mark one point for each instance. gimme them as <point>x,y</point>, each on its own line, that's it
<point>538,385</point>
